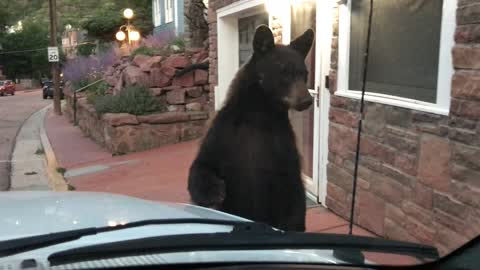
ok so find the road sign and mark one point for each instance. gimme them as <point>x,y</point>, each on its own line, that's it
<point>53,54</point>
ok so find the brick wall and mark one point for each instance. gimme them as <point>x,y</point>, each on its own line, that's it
<point>419,174</point>
<point>213,5</point>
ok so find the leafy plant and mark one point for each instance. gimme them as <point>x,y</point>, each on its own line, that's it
<point>158,40</point>
<point>136,100</point>
<point>97,90</point>
<point>61,170</point>
<point>86,49</point>
<point>87,69</point>
<point>107,18</point>
<point>143,51</point>
<point>40,151</point>
<point>178,42</point>
<point>31,64</point>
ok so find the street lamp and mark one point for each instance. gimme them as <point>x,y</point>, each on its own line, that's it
<point>131,33</point>
<point>128,13</point>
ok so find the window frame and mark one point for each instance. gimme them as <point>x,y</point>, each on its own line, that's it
<point>445,65</point>
<point>157,13</point>
<point>168,9</point>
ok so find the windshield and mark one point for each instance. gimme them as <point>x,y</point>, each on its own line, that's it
<point>314,117</point>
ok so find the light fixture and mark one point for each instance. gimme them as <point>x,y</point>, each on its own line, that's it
<point>128,13</point>
<point>120,36</point>
<point>134,35</point>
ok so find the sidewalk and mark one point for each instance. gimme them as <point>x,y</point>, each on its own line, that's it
<point>159,174</point>
<point>28,163</point>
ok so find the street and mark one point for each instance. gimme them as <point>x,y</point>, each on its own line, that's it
<point>14,110</point>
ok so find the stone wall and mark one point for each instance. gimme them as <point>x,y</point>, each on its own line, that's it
<point>419,174</point>
<point>183,99</point>
<point>123,133</point>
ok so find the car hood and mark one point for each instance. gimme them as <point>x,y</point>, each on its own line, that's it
<point>32,213</point>
<point>26,213</point>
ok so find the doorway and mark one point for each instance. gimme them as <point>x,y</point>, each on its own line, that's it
<point>303,17</point>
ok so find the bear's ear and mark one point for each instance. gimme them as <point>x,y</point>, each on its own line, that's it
<point>263,40</point>
<point>303,43</point>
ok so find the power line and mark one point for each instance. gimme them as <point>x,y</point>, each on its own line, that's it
<point>44,49</point>
<point>22,51</point>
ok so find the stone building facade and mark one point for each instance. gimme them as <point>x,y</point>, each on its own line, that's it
<point>419,173</point>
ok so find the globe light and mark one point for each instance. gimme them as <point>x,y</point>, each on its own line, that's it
<point>120,36</point>
<point>134,35</point>
<point>128,13</point>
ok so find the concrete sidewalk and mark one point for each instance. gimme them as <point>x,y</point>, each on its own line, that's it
<point>159,174</point>
<point>28,162</point>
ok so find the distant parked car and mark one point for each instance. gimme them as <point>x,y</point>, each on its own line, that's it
<point>7,87</point>
<point>48,89</point>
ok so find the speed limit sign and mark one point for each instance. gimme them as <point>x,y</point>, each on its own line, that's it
<point>53,54</point>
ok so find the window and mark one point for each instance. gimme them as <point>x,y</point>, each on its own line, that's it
<point>168,11</point>
<point>410,52</point>
<point>157,13</point>
<point>404,47</point>
<point>246,30</point>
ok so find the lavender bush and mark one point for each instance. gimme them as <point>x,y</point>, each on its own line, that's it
<point>85,69</point>
<point>158,40</point>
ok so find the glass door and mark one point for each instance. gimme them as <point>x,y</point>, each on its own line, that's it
<point>246,31</point>
<point>303,17</point>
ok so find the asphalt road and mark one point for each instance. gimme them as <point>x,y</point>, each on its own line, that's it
<point>14,110</point>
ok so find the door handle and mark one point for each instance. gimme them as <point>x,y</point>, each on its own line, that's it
<point>315,95</point>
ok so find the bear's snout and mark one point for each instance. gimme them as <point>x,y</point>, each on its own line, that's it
<point>304,103</point>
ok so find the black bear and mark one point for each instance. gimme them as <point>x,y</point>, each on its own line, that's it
<point>248,164</point>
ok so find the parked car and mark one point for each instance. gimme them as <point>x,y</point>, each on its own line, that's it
<point>7,87</point>
<point>85,230</point>
<point>48,89</point>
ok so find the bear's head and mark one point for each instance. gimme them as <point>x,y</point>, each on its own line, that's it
<point>281,70</point>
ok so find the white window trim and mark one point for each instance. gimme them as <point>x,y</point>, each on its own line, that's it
<point>168,11</point>
<point>227,33</point>
<point>157,13</point>
<point>445,65</point>
<point>175,15</point>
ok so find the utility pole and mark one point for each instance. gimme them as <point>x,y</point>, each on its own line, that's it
<point>52,4</point>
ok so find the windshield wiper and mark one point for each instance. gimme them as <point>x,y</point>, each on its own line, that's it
<point>241,238</point>
<point>19,245</point>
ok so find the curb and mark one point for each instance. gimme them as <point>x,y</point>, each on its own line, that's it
<point>56,180</point>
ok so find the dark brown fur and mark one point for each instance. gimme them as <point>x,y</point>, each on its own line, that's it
<point>248,163</point>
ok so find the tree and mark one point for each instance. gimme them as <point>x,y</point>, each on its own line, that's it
<point>26,54</point>
<point>197,22</point>
<point>108,19</point>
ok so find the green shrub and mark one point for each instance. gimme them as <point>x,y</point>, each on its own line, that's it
<point>143,51</point>
<point>179,42</point>
<point>96,90</point>
<point>136,100</point>
<point>86,49</point>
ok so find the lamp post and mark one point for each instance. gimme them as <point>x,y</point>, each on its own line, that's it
<point>127,31</point>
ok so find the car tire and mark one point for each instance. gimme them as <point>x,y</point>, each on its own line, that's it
<point>2,94</point>
<point>45,96</point>
<point>13,93</point>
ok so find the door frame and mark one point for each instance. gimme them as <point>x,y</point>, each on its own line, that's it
<point>228,61</point>
<point>228,46</point>
<point>323,43</point>
<point>325,12</point>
